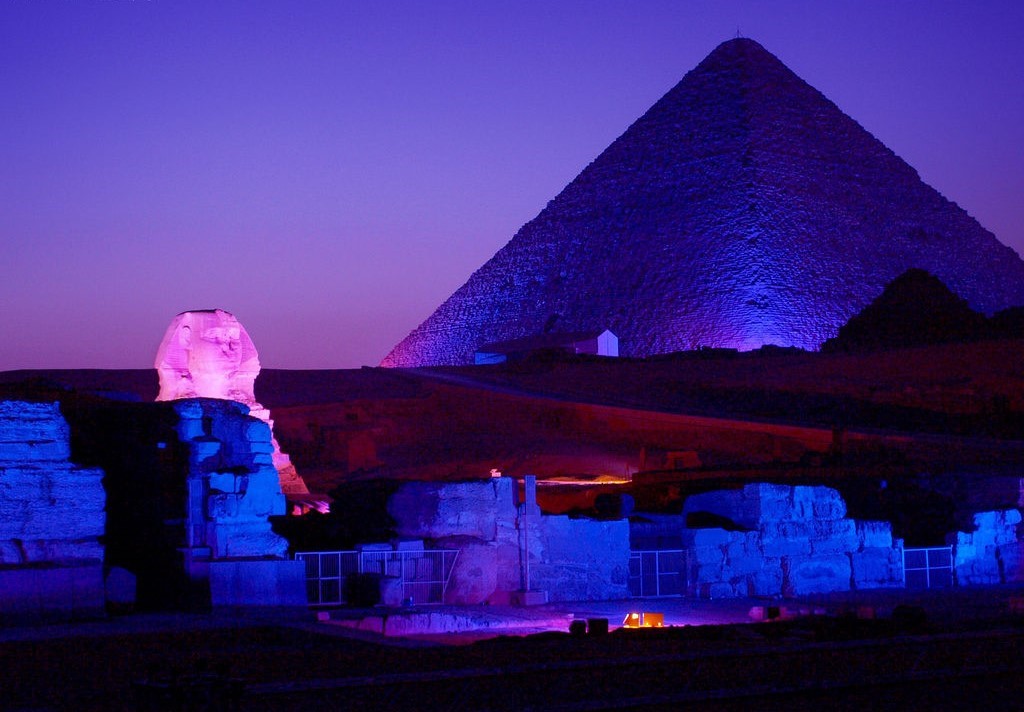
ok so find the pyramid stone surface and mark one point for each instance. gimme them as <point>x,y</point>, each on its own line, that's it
<point>744,208</point>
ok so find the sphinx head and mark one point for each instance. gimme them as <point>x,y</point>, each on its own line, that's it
<point>207,354</point>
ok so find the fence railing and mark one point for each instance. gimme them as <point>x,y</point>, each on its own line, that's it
<point>653,574</point>
<point>423,575</point>
<point>928,567</point>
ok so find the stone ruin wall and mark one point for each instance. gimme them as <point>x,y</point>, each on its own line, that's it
<point>776,540</point>
<point>991,554</point>
<point>51,518</point>
<point>784,541</point>
<point>570,559</point>
<point>53,514</point>
<point>231,457</point>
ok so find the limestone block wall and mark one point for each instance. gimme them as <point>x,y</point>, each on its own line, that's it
<point>580,559</point>
<point>569,559</point>
<point>51,510</point>
<point>992,553</point>
<point>788,541</point>
<point>233,484</point>
<point>51,519</point>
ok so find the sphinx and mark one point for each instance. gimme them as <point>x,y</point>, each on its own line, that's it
<point>208,354</point>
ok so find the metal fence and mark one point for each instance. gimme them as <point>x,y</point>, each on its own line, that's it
<point>928,567</point>
<point>654,574</point>
<point>423,575</point>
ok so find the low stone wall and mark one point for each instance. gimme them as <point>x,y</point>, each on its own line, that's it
<point>569,559</point>
<point>992,553</point>
<point>783,540</point>
<point>51,518</point>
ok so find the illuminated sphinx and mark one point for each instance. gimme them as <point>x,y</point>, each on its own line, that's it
<point>208,354</point>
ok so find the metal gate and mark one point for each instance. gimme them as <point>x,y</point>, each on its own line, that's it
<point>930,567</point>
<point>424,574</point>
<point>653,574</point>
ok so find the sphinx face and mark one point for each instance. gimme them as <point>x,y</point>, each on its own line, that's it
<point>207,354</point>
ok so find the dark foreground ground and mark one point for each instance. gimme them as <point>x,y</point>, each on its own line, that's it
<point>948,650</point>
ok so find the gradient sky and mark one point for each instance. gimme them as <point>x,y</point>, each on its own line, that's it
<point>331,171</point>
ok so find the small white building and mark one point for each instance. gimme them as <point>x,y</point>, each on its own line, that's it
<point>596,343</point>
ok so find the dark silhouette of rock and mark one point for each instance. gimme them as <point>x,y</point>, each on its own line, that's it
<point>1008,323</point>
<point>744,208</point>
<point>915,309</point>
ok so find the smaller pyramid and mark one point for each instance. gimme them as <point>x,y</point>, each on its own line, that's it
<point>915,309</point>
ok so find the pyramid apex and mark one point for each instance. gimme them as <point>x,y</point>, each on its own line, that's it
<point>739,43</point>
<point>740,49</point>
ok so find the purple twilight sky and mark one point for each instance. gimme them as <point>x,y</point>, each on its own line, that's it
<point>331,171</point>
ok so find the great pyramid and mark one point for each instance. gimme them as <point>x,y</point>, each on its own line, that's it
<point>744,208</point>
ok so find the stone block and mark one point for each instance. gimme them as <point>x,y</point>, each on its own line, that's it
<point>262,448</point>
<point>257,432</point>
<point>742,566</point>
<point>818,574</point>
<point>1012,558</point>
<point>978,572</point>
<point>409,545</point>
<point>34,452</point>
<point>51,511</point>
<point>222,482</point>
<point>223,506</point>
<point>65,552</point>
<point>189,428</point>
<point>34,594</point>
<point>721,589</point>
<point>705,537</point>
<point>774,503</point>
<point>244,539</point>
<point>731,504</point>
<point>202,454</point>
<point>709,572</point>
<point>580,559</point>
<point>877,567</point>
<point>768,580</point>
<point>708,555</point>
<point>761,503</point>
<point>32,433</point>
<point>438,509</point>
<point>780,545</point>
<point>742,545</point>
<point>744,557</point>
<point>257,583</point>
<point>874,534</point>
<point>474,579</point>
<point>391,591</point>
<point>834,536</point>
<point>509,574</point>
<point>996,527</point>
<point>828,504</point>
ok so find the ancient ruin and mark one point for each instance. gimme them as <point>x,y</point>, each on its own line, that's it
<point>232,490</point>
<point>992,553</point>
<point>744,208</point>
<point>52,518</point>
<point>507,548</point>
<point>786,541</point>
